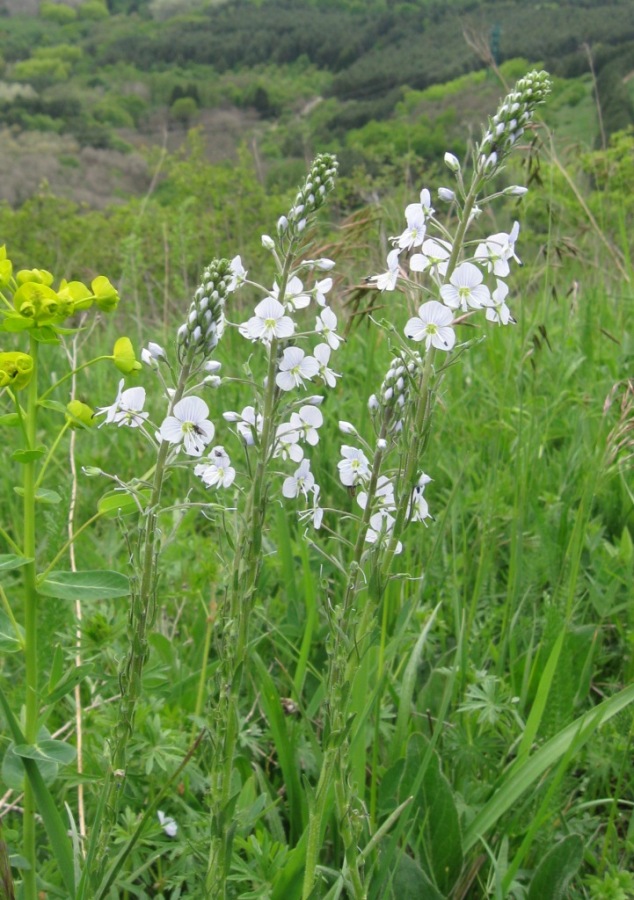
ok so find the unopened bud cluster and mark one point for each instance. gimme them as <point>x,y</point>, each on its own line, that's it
<point>203,327</point>
<point>514,113</point>
<point>312,195</point>
<point>394,391</point>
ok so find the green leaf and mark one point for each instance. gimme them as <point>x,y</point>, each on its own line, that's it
<point>409,882</point>
<point>67,683</point>
<point>55,405</point>
<point>27,456</point>
<point>45,334</point>
<point>47,750</point>
<point>406,692</point>
<point>442,839</point>
<point>118,503</point>
<point>98,585</point>
<point>12,561</point>
<point>11,420</point>
<point>557,869</point>
<point>9,641</point>
<point>13,769</point>
<point>47,808</point>
<point>284,745</point>
<point>520,776</point>
<point>41,495</point>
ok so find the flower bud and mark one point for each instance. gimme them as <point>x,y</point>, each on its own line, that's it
<point>347,428</point>
<point>267,242</point>
<point>452,162</point>
<point>205,320</point>
<point>446,194</point>
<point>515,190</point>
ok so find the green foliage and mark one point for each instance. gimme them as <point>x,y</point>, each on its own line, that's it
<point>92,11</point>
<point>60,13</point>
<point>41,71</point>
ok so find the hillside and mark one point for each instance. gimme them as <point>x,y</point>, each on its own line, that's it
<point>91,91</point>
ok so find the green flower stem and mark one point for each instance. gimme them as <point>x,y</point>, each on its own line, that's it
<point>51,453</point>
<point>30,629</point>
<point>235,628</point>
<point>340,670</point>
<point>141,614</point>
<point>70,374</point>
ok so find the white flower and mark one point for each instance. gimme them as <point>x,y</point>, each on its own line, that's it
<point>299,483</point>
<point>326,324</point>
<point>168,824</point>
<point>321,289</point>
<point>466,289</point>
<point>500,312</point>
<point>434,256</point>
<point>387,281</point>
<point>418,509</point>
<point>322,355</point>
<point>218,472</point>
<point>306,422</point>
<point>294,295</point>
<point>495,252</point>
<point>287,443</point>
<point>246,422</point>
<point>188,424</point>
<point>295,366</point>
<point>269,322</point>
<point>432,325</point>
<point>381,525</point>
<point>127,408</point>
<point>316,513</point>
<point>414,234</point>
<point>354,468</point>
<point>238,274</point>
<point>384,495</point>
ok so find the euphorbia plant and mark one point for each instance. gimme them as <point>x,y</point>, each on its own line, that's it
<point>37,315</point>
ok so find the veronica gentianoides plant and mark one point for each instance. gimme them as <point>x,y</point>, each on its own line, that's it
<point>451,277</point>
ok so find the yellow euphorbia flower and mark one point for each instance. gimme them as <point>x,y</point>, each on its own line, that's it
<point>16,369</point>
<point>124,358</point>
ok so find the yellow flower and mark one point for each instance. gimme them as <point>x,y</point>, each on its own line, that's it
<point>124,358</point>
<point>15,369</point>
<point>79,414</point>
<point>39,276</point>
<point>106,296</point>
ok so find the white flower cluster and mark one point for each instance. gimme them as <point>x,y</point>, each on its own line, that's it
<point>355,471</point>
<point>274,319</point>
<point>464,289</point>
